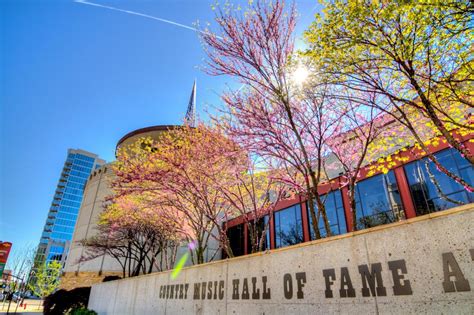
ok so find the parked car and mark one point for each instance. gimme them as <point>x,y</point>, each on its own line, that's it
<point>17,296</point>
<point>31,296</point>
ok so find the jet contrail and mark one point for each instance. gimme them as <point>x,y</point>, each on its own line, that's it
<point>143,15</point>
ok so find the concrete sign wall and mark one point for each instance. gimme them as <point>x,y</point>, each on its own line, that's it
<point>422,265</point>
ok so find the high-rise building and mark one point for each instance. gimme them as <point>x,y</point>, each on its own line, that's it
<point>59,227</point>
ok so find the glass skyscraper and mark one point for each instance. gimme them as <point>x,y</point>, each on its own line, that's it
<point>59,227</point>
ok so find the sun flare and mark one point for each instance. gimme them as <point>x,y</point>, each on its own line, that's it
<point>300,75</point>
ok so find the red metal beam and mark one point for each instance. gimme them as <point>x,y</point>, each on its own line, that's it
<point>305,222</point>
<point>405,194</point>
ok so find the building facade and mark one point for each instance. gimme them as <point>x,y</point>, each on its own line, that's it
<point>59,226</point>
<point>77,271</point>
<point>80,270</point>
<point>412,189</point>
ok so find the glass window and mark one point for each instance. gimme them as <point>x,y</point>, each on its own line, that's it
<point>69,210</point>
<point>335,213</point>
<point>73,197</point>
<point>79,174</point>
<point>260,228</point>
<point>235,236</point>
<point>432,190</point>
<point>288,226</point>
<point>85,158</point>
<point>70,203</point>
<point>54,256</point>
<point>73,191</point>
<point>61,236</point>
<point>56,249</point>
<point>378,201</point>
<point>76,185</point>
<point>64,229</point>
<point>77,180</point>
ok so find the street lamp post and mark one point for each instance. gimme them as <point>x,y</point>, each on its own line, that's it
<point>10,301</point>
<point>22,292</point>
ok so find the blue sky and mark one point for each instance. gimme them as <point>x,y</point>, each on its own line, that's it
<point>77,76</point>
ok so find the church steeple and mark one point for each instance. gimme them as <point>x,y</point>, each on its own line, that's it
<point>190,117</point>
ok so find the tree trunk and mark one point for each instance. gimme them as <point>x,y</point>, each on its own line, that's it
<point>314,219</point>
<point>322,210</point>
<point>351,192</point>
<point>309,168</point>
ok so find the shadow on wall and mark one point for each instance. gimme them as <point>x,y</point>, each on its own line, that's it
<point>65,301</point>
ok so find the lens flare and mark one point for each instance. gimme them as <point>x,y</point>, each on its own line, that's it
<point>179,266</point>
<point>182,261</point>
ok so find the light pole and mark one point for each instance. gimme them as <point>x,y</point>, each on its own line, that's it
<point>10,301</point>
<point>22,292</point>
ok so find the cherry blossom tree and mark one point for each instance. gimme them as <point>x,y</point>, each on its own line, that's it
<point>198,178</point>
<point>184,170</point>
<point>358,143</point>
<point>252,195</point>
<point>141,239</point>
<point>272,116</point>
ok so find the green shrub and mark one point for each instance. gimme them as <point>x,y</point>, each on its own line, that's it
<point>82,311</point>
<point>63,301</point>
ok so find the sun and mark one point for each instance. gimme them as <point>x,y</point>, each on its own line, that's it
<point>300,75</point>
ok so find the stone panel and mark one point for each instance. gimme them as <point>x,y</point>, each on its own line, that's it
<point>423,265</point>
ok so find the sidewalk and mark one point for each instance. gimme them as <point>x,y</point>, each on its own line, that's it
<point>31,307</point>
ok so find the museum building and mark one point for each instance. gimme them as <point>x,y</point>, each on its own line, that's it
<point>411,189</point>
<point>414,188</point>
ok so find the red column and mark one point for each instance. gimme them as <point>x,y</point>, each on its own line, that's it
<point>347,208</point>
<point>405,192</point>
<point>272,231</point>
<point>305,222</point>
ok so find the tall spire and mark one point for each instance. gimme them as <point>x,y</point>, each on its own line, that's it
<point>190,117</point>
